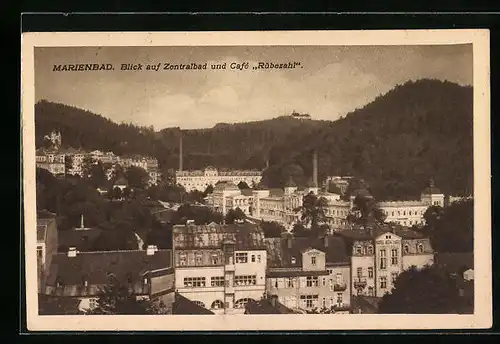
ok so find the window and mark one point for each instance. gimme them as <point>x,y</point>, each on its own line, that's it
<point>359,272</point>
<point>276,283</point>
<point>338,279</point>
<point>199,258</point>
<point>392,213</point>
<point>258,258</point>
<point>313,260</point>
<point>312,281</point>
<point>370,272</point>
<point>383,282</point>
<point>241,257</point>
<point>370,291</point>
<point>290,282</point>
<point>394,276</point>
<point>420,248</point>
<point>245,280</point>
<point>217,281</point>
<point>253,258</point>
<point>339,298</point>
<point>92,303</point>
<point>358,249</point>
<point>294,260</point>
<point>324,281</point>
<point>331,285</point>
<point>406,249</point>
<point>39,252</point>
<point>182,259</point>
<point>370,250</point>
<point>383,259</point>
<point>394,257</point>
<point>241,303</point>
<point>217,304</point>
<point>309,301</point>
<point>324,302</point>
<point>192,282</point>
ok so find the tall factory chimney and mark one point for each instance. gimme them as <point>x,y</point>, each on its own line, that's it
<point>180,151</point>
<point>315,168</point>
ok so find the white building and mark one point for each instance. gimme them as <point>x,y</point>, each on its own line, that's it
<point>227,196</point>
<point>409,213</point>
<point>201,179</point>
<point>51,160</point>
<point>379,255</point>
<point>220,267</point>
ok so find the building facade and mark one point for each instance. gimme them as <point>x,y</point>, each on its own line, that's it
<point>201,179</point>
<point>379,255</point>
<point>46,245</point>
<point>220,267</point>
<point>411,213</point>
<point>52,161</point>
<point>309,274</point>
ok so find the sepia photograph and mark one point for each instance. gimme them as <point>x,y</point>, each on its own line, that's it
<point>254,181</point>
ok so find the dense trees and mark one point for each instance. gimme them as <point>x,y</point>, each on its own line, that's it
<point>422,129</point>
<point>313,213</point>
<point>451,229</point>
<point>136,177</point>
<point>201,215</point>
<point>426,291</point>
<point>272,229</point>
<point>234,215</point>
<point>117,298</point>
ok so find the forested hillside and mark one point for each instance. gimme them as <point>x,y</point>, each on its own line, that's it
<point>417,131</point>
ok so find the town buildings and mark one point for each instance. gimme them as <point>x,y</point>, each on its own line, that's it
<point>46,244</point>
<point>410,213</point>
<point>70,161</point>
<point>201,179</point>
<point>379,254</point>
<point>82,275</point>
<point>309,274</point>
<point>220,267</point>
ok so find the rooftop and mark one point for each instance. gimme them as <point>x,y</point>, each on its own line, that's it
<point>266,306</point>
<point>184,306</point>
<point>41,227</point>
<point>246,236</point>
<point>279,254</point>
<point>367,234</point>
<point>82,239</point>
<point>96,267</point>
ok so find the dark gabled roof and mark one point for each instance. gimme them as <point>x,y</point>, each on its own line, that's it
<point>184,306</point>
<point>367,304</point>
<point>96,267</point>
<point>279,254</point>
<point>431,189</point>
<point>246,236</point>
<point>266,307</point>
<point>455,262</point>
<point>377,230</point>
<point>82,239</point>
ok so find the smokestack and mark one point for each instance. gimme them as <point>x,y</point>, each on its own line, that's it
<point>180,151</point>
<point>81,222</point>
<point>315,168</point>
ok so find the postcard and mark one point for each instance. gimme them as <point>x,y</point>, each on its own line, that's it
<point>281,180</point>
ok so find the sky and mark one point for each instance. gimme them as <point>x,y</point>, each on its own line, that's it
<point>330,82</point>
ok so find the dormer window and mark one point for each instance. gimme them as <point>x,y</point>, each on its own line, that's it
<point>406,249</point>
<point>294,260</point>
<point>420,248</point>
<point>359,249</point>
<point>313,260</point>
<point>369,250</point>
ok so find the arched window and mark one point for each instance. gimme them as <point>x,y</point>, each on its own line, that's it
<point>182,258</point>
<point>406,249</point>
<point>217,304</point>
<point>420,248</point>
<point>358,249</point>
<point>241,303</point>
<point>199,303</point>
<point>370,250</point>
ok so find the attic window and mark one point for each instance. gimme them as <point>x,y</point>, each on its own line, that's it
<point>294,260</point>
<point>420,248</point>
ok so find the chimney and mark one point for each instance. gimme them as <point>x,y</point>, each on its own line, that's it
<point>81,222</point>
<point>315,168</point>
<point>325,240</point>
<point>151,250</point>
<point>180,151</point>
<point>72,252</point>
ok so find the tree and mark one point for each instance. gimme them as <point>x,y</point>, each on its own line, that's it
<point>117,298</point>
<point>272,229</point>
<point>97,176</point>
<point>368,210</point>
<point>208,190</point>
<point>87,166</point>
<point>243,185</point>
<point>433,215</point>
<point>313,212</point>
<point>429,290</point>
<point>137,177</point>
<point>234,215</point>
<point>299,231</point>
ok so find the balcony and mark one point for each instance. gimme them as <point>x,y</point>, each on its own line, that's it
<point>340,287</point>
<point>359,282</point>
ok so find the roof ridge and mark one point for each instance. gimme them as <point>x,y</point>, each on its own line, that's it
<point>117,251</point>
